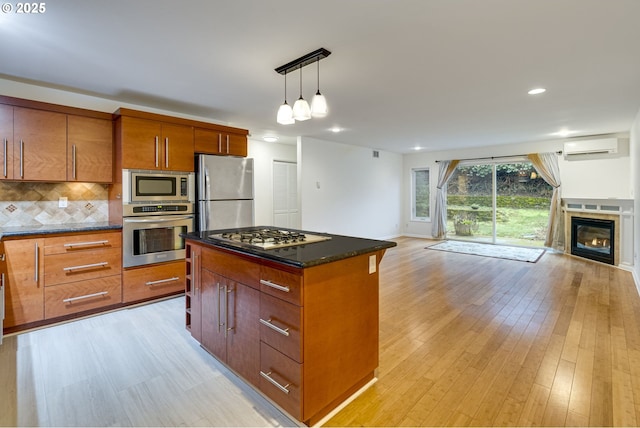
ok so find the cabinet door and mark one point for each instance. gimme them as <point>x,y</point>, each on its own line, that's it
<point>6,139</point>
<point>243,331</point>
<point>40,145</point>
<point>89,150</point>
<point>213,297</point>
<point>177,148</point>
<point>149,282</point>
<point>140,140</point>
<point>207,141</point>
<point>237,145</point>
<point>24,292</point>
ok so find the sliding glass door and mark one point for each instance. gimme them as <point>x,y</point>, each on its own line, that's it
<point>498,202</point>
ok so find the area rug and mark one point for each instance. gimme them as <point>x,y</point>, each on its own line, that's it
<point>521,254</point>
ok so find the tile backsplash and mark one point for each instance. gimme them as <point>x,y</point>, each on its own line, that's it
<point>32,204</point>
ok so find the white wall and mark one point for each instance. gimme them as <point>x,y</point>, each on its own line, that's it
<point>263,155</point>
<point>345,190</point>
<point>635,184</point>
<point>599,176</point>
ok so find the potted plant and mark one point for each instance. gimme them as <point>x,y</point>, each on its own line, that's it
<point>465,223</point>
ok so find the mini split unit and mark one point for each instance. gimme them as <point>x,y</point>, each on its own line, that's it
<point>590,147</point>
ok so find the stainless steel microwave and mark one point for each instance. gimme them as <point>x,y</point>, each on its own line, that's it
<point>140,186</point>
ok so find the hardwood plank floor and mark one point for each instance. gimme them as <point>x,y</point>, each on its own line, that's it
<point>464,341</point>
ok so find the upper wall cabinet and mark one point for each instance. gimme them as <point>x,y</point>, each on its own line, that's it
<point>154,145</point>
<point>89,149</point>
<point>221,142</point>
<point>47,142</point>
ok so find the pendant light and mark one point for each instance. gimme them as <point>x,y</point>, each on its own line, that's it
<point>285,112</point>
<point>301,110</point>
<point>319,102</point>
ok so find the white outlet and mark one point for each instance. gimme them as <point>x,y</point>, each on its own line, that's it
<point>62,202</point>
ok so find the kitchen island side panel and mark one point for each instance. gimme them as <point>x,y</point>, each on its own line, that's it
<point>341,331</point>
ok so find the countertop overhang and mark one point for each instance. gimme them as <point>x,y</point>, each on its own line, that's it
<point>302,256</point>
<point>51,229</point>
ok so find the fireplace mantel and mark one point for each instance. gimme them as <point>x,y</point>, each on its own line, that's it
<point>619,210</point>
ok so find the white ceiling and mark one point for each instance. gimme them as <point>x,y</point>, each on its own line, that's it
<point>437,74</point>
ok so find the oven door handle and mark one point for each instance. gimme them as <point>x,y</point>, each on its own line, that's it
<point>157,220</point>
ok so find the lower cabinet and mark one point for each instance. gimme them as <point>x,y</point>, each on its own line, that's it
<point>74,297</point>
<point>153,281</point>
<point>229,330</point>
<point>24,293</point>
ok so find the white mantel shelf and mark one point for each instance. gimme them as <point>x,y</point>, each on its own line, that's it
<point>623,208</point>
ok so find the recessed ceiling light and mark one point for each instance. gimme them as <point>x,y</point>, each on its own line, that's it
<point>564,132</point>
<point>536,91</point>
<point>335,129</point>
<point>417,148</point>
<point>270,138</point>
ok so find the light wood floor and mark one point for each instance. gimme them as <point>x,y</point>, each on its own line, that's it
<point>464,340</point>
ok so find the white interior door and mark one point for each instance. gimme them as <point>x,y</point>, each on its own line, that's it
<point>285,195</point>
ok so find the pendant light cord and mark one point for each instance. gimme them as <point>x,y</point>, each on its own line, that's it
<point>300,81</point>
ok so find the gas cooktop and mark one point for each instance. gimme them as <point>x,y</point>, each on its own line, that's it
<point>268,238</point>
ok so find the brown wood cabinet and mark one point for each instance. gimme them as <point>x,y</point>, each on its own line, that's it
<point>317,328</point>
<point>47,142</point>
<point>154,145</point>
<point>220,142</point>
<point>89,149</point>
<point>153,281</point>
<point>24,292</point>
<point>39,145</point>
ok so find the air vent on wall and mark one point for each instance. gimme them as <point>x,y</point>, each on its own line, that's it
<point>590,147</point>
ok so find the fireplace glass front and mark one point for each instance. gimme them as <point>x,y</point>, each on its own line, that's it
<point>593,239</point>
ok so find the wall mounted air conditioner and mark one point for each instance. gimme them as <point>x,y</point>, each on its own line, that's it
<point>590,147</point>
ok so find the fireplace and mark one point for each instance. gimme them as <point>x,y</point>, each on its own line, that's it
<point>593,239</point>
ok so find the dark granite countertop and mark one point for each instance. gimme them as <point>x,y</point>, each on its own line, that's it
<point>305,255</point>
<point>49,229</point>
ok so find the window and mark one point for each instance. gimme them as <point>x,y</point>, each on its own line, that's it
<point>420,194</point>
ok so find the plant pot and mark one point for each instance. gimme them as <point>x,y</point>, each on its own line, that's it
<point>463,229</point>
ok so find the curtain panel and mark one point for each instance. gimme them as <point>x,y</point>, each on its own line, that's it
<point>546,164</point>
<point>439,225</point>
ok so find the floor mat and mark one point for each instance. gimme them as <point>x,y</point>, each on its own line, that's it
<point>521,254</point>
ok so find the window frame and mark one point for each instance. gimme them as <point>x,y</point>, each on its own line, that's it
<point>414,217</point>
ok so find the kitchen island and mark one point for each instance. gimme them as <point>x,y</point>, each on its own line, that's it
<point>297,321</point>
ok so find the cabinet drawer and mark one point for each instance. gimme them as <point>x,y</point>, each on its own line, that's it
<point>280,325</point>
<point>153,281</point>
<point>66,299</point>
<point>73,244</point>
<point>231,266</point>
<point>63,268</point>
<point>281,284</point>
<point>280,380</point>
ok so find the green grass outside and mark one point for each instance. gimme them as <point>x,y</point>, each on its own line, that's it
<point>515,226</point>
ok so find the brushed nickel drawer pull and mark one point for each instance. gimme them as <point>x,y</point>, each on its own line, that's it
<point>268,377</point>
<point>87,296</point>
<point>274,285</point>
<point>161,281</point>
<point>166,152</point>
<point>282,331</point>
<point>86,244</point>
<point>73,161</point>
<point>21,159</point>
<point>5,157</point>
<point>93,265</point>
<point>157,151</point>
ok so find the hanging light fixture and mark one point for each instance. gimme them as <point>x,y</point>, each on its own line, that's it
<point>285,112</point>
<point>319,102</point>
<point>301,110</point>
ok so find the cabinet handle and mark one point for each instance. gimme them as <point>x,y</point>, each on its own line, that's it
<point>2,256</point>
<point>5,157</point>
<point>274,285</point>
<point>156,151</point>
<point>36,263</point>
<point>86,296</point>
<point>21,159</point>
<point>92,265</point>
<point>219,317</point>
<point>219,143</point>
<point>86,244</point>
<point>73,161</point>
<point>166,152</point>
<point>282,331</point>
<point>2,298</point>
<point>162,281</point>
<point>268,377</point>
<point>194,272</point>
<point>227,144</point>
<point>227,291</point>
